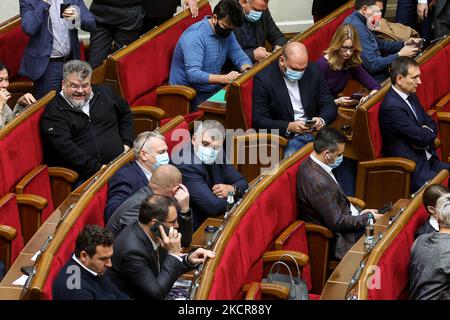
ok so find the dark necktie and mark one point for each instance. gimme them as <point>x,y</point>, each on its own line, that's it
<point>413,106</point>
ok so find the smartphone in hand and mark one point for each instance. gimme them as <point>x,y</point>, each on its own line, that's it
<point>310,123</point>
<point>63,7</point>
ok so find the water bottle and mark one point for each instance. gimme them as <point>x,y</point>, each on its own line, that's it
<point>370,231</point>
<point>230,203</point>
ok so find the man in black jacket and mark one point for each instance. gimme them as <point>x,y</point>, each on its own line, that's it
<point>85,276</point>
<point>147,257</point>
<point>85,127</point>
<point>159,11</point>
<point>258,27</point>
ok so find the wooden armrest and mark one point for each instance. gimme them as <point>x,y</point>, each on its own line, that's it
<point>64,173</point>
<point>272,256</point>
<point>357,202</point>
<point>431,112</point>
<point>441,103</point>
<point>8,233</point>
<point>405,164</point>
<point>315,228</point>
<point>286,234</point>
<point>179,90</point>
<point>272,289</point>
<point>148,111</point>
<point>31,200</point>
<point>437,143</point>
<point>20,86</point>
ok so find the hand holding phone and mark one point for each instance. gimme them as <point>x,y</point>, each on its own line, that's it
<point>310,123</point>
<point>62,8</point>
<point>357,95</point>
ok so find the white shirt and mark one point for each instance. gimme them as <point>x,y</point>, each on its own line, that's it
<point>404,96</point>
<point>434,223</point>
<point>147,173</point>
<point>59,30</point>
<point>156,246</point>
<point>328,169</point>
<point>83,266</point>
<point>422,1</point>
<point>294,94</point>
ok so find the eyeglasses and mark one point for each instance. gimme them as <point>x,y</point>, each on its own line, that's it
<point>76,87</point>
<point>153,133</point>
<point>345,48</point>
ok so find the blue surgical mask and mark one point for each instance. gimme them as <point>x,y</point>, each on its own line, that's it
<point>160,160</point>
<point>337,162</point>
<point>293,75</point>
<point>253,15</point>
<point>207,155</point>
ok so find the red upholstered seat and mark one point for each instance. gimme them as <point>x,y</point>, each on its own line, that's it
<point>12,46</point>
<point>93,214</point>
<point>9,215</point>
<point>254,235</point>
<point>146,68</point>
<point>374,129</point>
<point>247,101</point>
<point>320,40</point>
<point>193,116</point>
<point>394,263</point>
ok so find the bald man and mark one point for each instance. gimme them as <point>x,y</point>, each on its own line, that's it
<point>166,180</point>
<point>291,95</point>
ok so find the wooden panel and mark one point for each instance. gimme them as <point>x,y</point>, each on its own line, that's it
<point>200,237</point>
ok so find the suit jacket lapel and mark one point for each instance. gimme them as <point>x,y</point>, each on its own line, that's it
<point>283,93</point>
<point>321,171</point>
<point>303,88</point>
<point>405,106</point>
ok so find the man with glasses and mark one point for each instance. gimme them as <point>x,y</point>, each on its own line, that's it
<point>202,50</point>
<point>321,199</point>
<point>292,96</point>
<point>85,127</point>
<point>257,28</point>
<point>166,180</point>
<point>147,257</point>
<point>150,152</point>
<point>377,55</point>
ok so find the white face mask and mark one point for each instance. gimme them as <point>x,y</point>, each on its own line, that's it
<point>160,160</point>
<point>207,154</point>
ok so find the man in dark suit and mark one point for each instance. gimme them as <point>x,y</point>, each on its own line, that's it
<point>159,11</point>
<point>288,93</point>
<point>407,130</point>
<point>257,28</point>
<point>166,180</point>
<point>85,276</point>
<point>150,152</point>
<point>206,174</point>
<point>47,50</point>
<point>147,257</point>
<point>321,200</point>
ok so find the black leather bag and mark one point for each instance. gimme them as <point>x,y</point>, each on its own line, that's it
<point>296,285</point>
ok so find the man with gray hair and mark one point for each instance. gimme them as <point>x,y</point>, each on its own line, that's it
<point>150,152</point>
<point>85,127</point>
<point>206,174</point>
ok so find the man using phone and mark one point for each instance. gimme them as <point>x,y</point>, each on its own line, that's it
<point>53,39</point>
<point>147,259</point>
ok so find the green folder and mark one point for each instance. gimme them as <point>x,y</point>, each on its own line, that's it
<point>219,96</point>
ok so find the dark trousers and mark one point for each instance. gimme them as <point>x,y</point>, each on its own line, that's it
<point>150,23</point>
<point>103,38</point>
<point>441,21</point>
<point>50,80</point>
<point>407,15</point>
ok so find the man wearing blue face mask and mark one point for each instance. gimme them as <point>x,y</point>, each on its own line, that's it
<point>206,174</point>
<point>289,92</point>
<point>322,200</point>
<point>257,28</point>
<point>150,151</point>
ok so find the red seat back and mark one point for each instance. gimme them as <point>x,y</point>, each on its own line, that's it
<point>247,101</point>
<point>9,215</point>
<point>374,129</point>
<point>147,67</point>
<point>255,233</point>
<point>92,214</point>
<point>13,42</point>
<point>394,263</point>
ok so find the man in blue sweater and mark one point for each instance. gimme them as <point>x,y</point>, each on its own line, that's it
<point>85,276</point>
<point>377,55</point>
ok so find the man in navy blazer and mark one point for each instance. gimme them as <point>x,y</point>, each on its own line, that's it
<point>206,174</point>
<point>290,91</point>
<point>407,130</point>
<point>53,40</point>
<point>150,152</point>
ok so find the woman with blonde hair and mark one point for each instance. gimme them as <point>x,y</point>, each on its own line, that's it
<point>342,61</point>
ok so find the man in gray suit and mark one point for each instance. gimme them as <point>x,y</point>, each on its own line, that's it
<point>166,180</point>
<point>322,200</point>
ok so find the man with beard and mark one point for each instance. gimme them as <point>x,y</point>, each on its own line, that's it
<point>85,127</point>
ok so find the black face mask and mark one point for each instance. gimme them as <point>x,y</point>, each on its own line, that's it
<point>221,32</point>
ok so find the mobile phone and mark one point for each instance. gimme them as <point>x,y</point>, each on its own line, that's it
<point>211,229</point>
<point>155,229</point>
<point>63,7</point>
<point>420,43</point>
<point>26,270</point>
<point>357,95</point>
<point>385,208</point>
<point>310,123</point>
